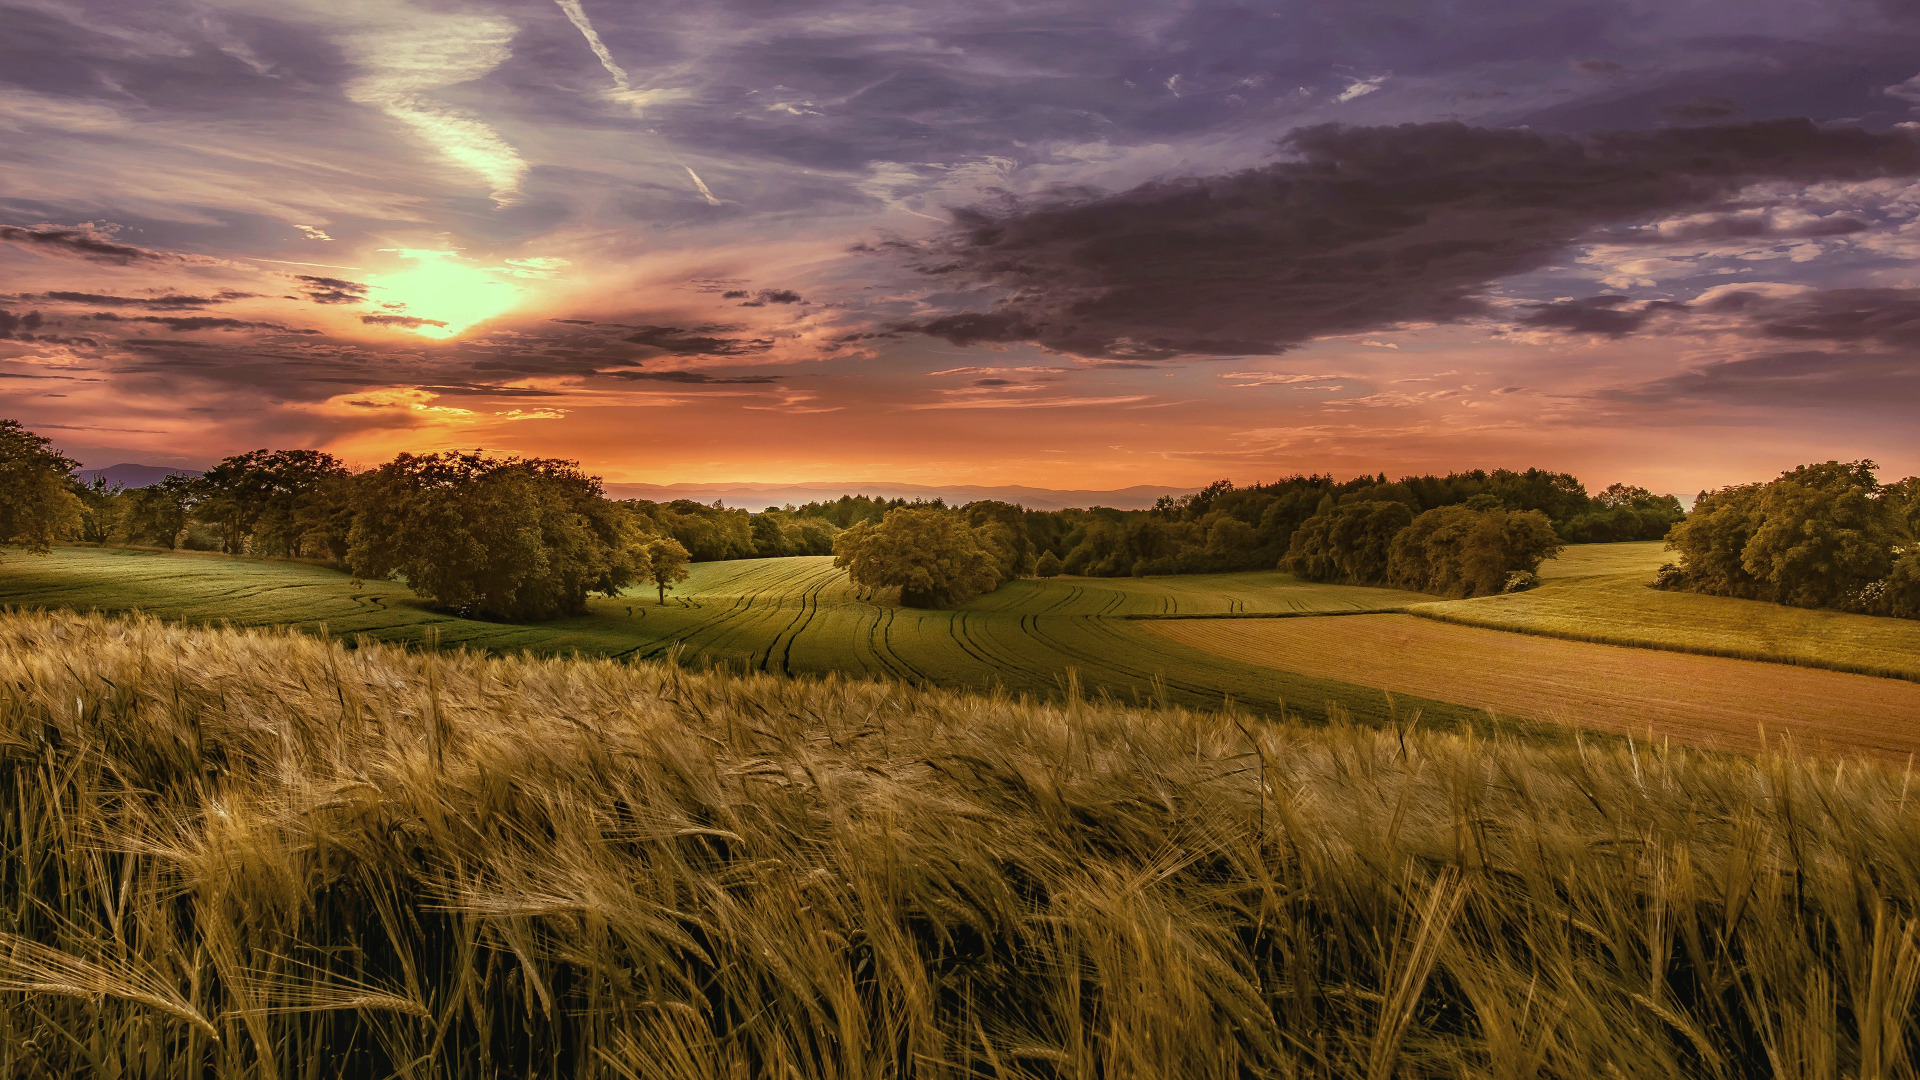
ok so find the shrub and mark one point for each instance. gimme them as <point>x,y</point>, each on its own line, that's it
<point>1047,566</point>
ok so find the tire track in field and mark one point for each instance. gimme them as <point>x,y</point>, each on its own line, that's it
<point>809,605</point>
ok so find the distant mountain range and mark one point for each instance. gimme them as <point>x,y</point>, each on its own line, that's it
<point>132,476</point>
<point>758,497</point>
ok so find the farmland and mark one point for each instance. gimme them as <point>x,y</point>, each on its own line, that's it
<point>781,616</point>
<point>1598,592</point>
<point>248,855</point>
<point>1697,700</point>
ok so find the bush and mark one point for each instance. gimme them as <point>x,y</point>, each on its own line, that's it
<point>1458,551</point>
<point>1048,565</point>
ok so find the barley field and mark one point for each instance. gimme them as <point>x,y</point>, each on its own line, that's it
<point>260,854</point>
<point>780,616</point>
<point>1598,592</point>
<point>1705,701</point>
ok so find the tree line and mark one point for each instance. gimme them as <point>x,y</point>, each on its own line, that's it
<point>530,538</point>
<point>1827,535</point>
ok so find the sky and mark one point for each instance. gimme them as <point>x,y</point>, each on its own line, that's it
<point>1060,243</point>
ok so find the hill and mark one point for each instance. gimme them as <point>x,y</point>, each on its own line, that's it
<point>261,854</point>
<point>126,475</point>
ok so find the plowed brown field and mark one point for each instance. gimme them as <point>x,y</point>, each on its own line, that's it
<point>1700,700</point>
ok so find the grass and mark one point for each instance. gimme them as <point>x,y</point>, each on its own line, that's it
<point>260,855</point>
<point>1598,592</point>
<point>779,616</point>
<point>1697,700</point>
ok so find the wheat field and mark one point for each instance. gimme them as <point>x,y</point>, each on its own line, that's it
<point>261,854</point>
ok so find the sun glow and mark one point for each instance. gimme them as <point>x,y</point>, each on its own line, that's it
<point>442,293</point>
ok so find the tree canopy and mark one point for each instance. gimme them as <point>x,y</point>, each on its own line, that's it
<point>511,538</point>
<point>931,554</point>
<point>38,503</point>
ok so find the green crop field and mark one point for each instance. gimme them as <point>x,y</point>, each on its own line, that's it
<point>785,616</point>
<point>1598,592</point>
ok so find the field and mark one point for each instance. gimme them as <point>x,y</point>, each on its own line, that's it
<point>1696,700</point>
<point>262,856</point>
<point>780,616</point>
<point>1598,592</point>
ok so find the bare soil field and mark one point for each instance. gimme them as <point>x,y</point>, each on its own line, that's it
<point>1697,700</point>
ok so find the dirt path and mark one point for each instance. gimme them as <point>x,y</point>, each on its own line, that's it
<point>1700,700</point>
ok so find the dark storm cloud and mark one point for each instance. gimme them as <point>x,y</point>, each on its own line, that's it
<point>1370,227</point>
<point>766,296</point>
<point>695,378</point>
<point>1738,225</point>
<point>1791,380</point>
<point>698,341</point>
<point>326,290</point>
<point>1609,315</point>
<point>81,243</point>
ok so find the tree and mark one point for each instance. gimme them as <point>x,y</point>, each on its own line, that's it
<point>513,538</point>
<point>157,514</point>
<point>1461,551</point>
<point>1048,565</point>
<point>258,498</point>
<point>666,565</point>
<point>931,554</point>
<point>1350,543</point>
<point>38,503</point>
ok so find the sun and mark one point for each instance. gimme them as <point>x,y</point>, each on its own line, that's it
<point>445,290</point>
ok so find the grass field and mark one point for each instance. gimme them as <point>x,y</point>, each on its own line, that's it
<point>781,616</point>
<point>1697,700</point>
<point>261,856</point>
<point>1598,592</point>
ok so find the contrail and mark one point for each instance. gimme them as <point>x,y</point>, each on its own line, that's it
<point>578,17</point>
<point>702,185</point>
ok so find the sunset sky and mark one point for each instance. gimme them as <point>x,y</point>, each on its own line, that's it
<point>1062,243</point>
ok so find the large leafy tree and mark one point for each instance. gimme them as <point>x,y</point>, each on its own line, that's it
<point>264,500</point>
<point>929,553</point>
<point>1820,535</point>
<point>158,513</point>
<point>512,538</point>
<point>38,499</point>
<point>1350,543</point>
<point>1470,550</point>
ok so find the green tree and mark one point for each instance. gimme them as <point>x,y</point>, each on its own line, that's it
<point>258,499</point>
<point>38,503</point>
<point>1047,566</point>
<point>930,554</point>
<point>512,538</point>
<point>1461,551</point>
<point>1825,531</point>
<point>666,564</point>
<point>157,514</point>
<point>1350,543</point>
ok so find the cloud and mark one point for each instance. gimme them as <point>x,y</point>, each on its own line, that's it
<point>699,378</point>
<point>1703,109</point>
<point>532,414</point>
<point>186,323</point>
<point>578,17</point>
<point>1029,403</point>
<point>327,290</point>
<point>1370,227</point>
<point>11,324</point>
<point>1609,315</point>
<point>1888,317</point>
<point>1271,378</point>
<point>415,53</point>
<point>409,322</point>
<point>151,303</point>
<point>765,297</point>
<point>313,232</point>
<point>85,242</point>
<point>1791,380</point>
<point>697,341</point>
